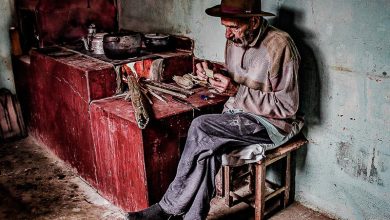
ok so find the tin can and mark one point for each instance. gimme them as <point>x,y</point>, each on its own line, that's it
<point>97,43</point>
<point>16,48</point>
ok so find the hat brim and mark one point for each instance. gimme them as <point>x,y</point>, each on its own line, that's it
<point>216,12</point>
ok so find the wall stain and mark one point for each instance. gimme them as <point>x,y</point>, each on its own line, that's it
<point>375,79</point>
<point>378,77</point>
<point>356,164</point>
<point>374,177</point>
<point>7,63</point>
<point>341,69</point>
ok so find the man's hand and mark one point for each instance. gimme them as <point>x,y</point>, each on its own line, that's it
<point>223,84</point>
<point>200,70</point>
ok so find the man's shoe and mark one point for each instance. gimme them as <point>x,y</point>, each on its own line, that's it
<point>154,212</point>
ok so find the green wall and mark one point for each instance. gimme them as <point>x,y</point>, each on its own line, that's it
<point>6,74</point>
<point>346,51</point>
<point>345,45</point>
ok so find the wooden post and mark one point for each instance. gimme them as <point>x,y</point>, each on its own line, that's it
<point>287,180</point>
<point>227,186</point>
<point>11,119</point>
<point>260,191</point>
<point>219,183</point>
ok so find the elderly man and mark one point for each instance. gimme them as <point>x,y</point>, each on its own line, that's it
<point>261,78</point>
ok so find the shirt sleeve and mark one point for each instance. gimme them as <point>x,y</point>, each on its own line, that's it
<point>282,101</point>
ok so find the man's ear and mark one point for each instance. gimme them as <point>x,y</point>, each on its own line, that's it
<point>255,22</point>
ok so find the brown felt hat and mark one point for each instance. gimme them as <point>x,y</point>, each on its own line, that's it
<point>237,9</point>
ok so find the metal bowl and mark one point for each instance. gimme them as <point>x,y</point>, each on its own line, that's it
<point>122,45</point>
<point>157,42</point>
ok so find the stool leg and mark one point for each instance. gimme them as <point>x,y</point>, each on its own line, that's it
<point>227,186</point>
<point>219,183</point>
<point>252,178</point>
<point>288,180</point>
<point>260,191</point>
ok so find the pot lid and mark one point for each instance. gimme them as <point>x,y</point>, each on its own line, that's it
<point>156,36</point>
<point>99,35</point>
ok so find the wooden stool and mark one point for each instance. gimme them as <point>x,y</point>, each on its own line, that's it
<point>261,196</point>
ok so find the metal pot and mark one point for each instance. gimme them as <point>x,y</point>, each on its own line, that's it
<point>122,45</point>
<point>157,41</point>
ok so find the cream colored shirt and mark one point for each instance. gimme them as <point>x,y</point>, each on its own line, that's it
<point>267,72</point>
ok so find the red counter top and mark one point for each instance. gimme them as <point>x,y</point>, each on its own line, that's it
<point>160,110</point>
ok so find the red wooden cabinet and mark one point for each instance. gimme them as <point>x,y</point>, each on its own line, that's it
<point>135,167</point>
<point>67,110</point>
<point>59,91</point>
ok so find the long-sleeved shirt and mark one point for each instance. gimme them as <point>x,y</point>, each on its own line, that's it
<point>267,72</point>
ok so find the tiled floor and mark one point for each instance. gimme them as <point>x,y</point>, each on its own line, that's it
<point>34,184</point>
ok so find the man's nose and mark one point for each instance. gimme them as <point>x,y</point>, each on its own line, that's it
<point>228,33</point>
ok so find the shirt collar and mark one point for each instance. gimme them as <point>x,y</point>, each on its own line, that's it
<point>263,28</point>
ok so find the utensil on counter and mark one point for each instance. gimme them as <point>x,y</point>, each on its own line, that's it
<point>122,45</point>
<point>97,43</point>
<point>170,87</point>
<point>94,43</point>
<point>166,91</point>
<point>185,102</point>
<point>91,31</point>
<point>157,42</point>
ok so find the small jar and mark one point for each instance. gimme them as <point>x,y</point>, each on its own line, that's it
<point>97,44</point>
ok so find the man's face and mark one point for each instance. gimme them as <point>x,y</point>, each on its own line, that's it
<point>239,32</point>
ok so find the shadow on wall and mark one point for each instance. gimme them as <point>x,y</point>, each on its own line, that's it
<point>311,68</point>
<point>309,71</point>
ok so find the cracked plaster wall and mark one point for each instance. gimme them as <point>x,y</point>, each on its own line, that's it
<point>6,74</point>
<point>345,82</point>
<point>345,168</point>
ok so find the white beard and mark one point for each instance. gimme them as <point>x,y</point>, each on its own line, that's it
<point>244,41</point>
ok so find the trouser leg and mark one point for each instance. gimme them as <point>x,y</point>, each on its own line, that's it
<point>193,187</point>
<point>199,207</point>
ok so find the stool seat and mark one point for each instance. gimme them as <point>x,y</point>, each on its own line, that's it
<point>258,180</point>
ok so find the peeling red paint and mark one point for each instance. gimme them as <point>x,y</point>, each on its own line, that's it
<point>58,95</point>
<point>68,20</point>
<point>100,139</point>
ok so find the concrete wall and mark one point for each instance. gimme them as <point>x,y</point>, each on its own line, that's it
<point>6,74</point>
<point>345,46</point>
<point>185,17</point>
<point>346,96</point>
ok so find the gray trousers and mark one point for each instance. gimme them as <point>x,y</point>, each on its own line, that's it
<point>209,136</point>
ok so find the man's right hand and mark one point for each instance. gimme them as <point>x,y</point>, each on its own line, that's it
<point>200,70</point>
<point>224,85</point>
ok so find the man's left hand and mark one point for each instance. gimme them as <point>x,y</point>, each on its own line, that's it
<point>223,84</point>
